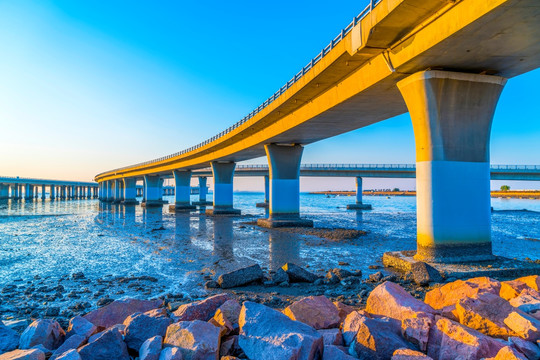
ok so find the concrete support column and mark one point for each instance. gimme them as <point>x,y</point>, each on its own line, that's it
<point>42,192</point>
<point>117,191</point>
<point>359,205</point>
<point>203,191</point>
<point>13,191</point>
<point>452,115</point>
<point>52,194</point>
<point>153,190</point>
<point>108,194</point>
<point>130,191</point>
<point>182,191</point>
<point>223,173</point>
<point>4,191</point>
<point>27,192</point>
<point>284,165</point>
<point>266,202</point>
<point>63,192</point>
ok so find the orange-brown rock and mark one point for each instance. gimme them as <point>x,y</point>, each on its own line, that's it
<point>449,294</point>
<point>524,325</point>
<point>391,300</point>
<point>508,353</point>
<point>415,329</point>
<point>527,348</point>
<point>511,289</point>
<point>343,310</point>
<point>532,281</point>
<point>449,340</point>
<point>316,311</point>
<point>351,324</point>
<point>528,300</point>
<point>408,354</point>
<point>226,316</point>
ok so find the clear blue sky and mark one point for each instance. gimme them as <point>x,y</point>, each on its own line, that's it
<point>86,86</point>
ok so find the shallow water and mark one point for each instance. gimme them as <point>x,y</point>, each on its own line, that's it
<point>52,239</point>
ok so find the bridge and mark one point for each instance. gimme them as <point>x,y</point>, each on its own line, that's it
<point>445,62</point>
<point>29,188</point>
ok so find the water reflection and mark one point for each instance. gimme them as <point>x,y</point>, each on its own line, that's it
<point>223,238</point>
<point>283,248</point>
<point>152,217</point>
<point>182,228</point>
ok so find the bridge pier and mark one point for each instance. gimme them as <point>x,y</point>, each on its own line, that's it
<point>265,204</point>
<point>117,191</point>
<point>27,192</point>
<point>4,191</point>
<point>130,191</point>
<point>153,191</point>
<point>452,114</point>
<point>359,205</point>
<point>284,166</point>
<point>203,191</point>
<point>182,191</point>
<point>223,173</point>
<point>52,195</point>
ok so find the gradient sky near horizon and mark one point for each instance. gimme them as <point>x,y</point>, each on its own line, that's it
<point>90,86</point>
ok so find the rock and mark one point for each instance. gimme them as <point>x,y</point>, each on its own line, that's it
<point>451,293</point>
<point>43,349</point>
<point>342,273</point>
<point>171,353</point>
<point>331,337</point>
<point>350,281</point>
<point>241,277</point>
<point>32,354</point>
<point>17,325</point>
<point>298,274</point>
<point>377,339</point>
<point>343,310</point>
<point>143,326</point>
<point>376,277</point>
<point>524,325</point>
<point>351,324</point>
<point>280,276</point>
<point>507,353</point>
<point>9,339</point>
<point>528,301</point>
<point>415,329</point>
<point>450,340</point>
<point>227,316</point>
<point>201,310</point>
<point>391,300</point>
<point>151,348</point>
<point>532,281</point>
<point>46,332</point>
<point>331,278</point>
<point>109,345</point>
<point>117,311</point>
<point>211,284</point>
<point>316,311</point>
<point>73,342</point>
<point>332,352</point>
<point>228,346</point>
<point>80,326</point>
<point>423,273</point>
<point>408,354</point>
<point>70,355</point>
<point>196,339</point>
<point>511,289</point>
<point>527,348</point>
<point>267,334</point>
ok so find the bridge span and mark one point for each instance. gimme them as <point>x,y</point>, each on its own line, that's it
<point>445,62</point>
<point>29,188</point>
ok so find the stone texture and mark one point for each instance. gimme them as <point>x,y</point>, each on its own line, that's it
<point>450,340</point>
<point>73,342</point>
<point>229,346</point>
<point>408,354</point>
<point>117,311</point>
<point>32,354</point>
<point>241,277</point>
<point>171,353</point>
<point>332,352</point>
<point>391,300</point>
<point>298,274</point>
<point>532,281</point>
<point>315,311</point>
<point>267,334</point>
<point>196,339</point>
<point>511,289</point>
<point>109,345</point>
<point>524,325</point>
<point>151,348</point>
<point>201,310</point>
<point>507,353</point>
<point>331,336</point>
<point>343,310</point>
<point>351,324</point>
<point>415,329</point>
<point>45,332</point>
<point>226,316</point>
<point>280,276</point>
<point>451,293</point>
<point>143,326</point>
<point>423,273</point>
<point>70,355</point>
<point>80,326</point>
<point>528,301</point>
<point>9,339</point>
<point>527,348</point>
<point>377,339</point>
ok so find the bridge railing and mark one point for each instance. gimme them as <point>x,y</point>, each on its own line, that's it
<point>18,178</point>
<point>277,94</point>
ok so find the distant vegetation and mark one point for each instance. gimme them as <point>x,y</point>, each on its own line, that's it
<point>505,188</point>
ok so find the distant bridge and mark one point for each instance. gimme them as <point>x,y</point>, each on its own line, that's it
<point>12,187</point>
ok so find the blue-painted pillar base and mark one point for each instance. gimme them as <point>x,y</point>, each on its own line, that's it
<point>359,205</point>
<point>266,202</point>
<point>153,191</point>
<point>223,189</point>
<point>284,165</point>
<point>182,191</point>
<point>203,190</point>
<point>130,192</point>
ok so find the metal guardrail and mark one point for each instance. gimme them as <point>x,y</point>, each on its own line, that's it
<point>274,96</point>
<point>380,166</point>
<point>18,178</point>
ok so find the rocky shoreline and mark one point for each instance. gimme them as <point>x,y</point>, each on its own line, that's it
<point>295,314</point>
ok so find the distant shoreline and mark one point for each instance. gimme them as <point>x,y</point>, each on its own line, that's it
<point>517,194</point>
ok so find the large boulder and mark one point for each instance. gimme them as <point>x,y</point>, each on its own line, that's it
<point>44,332</point>
<point>377,339</point>
<point>201,310</point>
<point>80,326</point>
<point>415,329</point>
<point>332,352</point>
<point>298,274</point>
<point>142,326</point>
<point>450,340</point>
<point>527,348</point>
<point>507,353</point>
<point>196,339</point>
<point>449,294</point>
<point>70,355</point>
<point>9,339</point>
<point>343,310</point>
<point>109,345</point>
<point>532,281</point>
<point>528,300</point>
<point>391,300</point>
<point>351,324</point>
<point>408,354</point>
<point>423,273</point>
<point>117,311</point>
<point>524,325</point>
<point>316,311</point>
<point>331,337</point>
<point>267,334</point>
<point>226,316</point>
<point>241,277</point>
<point>72,342</point>
<point>511,289</point>
<point>171,353</point>
<point>31,354</point>
<point>151,348</point>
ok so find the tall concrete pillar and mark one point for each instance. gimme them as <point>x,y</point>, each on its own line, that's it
<point>4,191</point>
<point>182,191</point>
<point>284,166</point>
<point>452,114</point>
<point>42,192</point>
<point>223,173</point>
<point>117,191</point>
<point>63,192</point>
<point>203,191</point>
<point>266,202</point>
<point>52,194</point>
<point>13,191</point>
<point>130,191</point>
<point>153,190</point>
<point>359,205</point>
<point>107,191</point>
<point>27,192</point>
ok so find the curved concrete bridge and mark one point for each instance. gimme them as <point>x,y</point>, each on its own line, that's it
<point>29,188</point>
<point>446,62</point>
